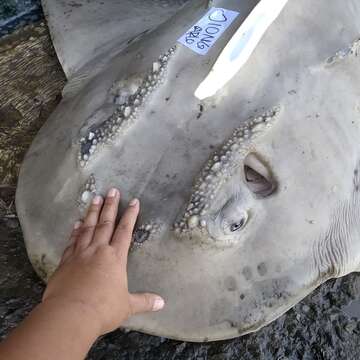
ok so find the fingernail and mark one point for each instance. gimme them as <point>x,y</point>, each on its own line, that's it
<point>112,192</point>
<point>97,200</point>
<point>159,303</point>
<point>133,202</point>
<point>77,225</point>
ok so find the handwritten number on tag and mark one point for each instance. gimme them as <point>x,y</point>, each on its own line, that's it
<point>203,35</point>
<point>191,36</point>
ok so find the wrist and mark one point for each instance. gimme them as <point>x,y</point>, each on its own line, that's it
<point>56,329</point>
<point>75,313</point>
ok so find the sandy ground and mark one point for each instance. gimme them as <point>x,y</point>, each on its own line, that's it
<point>31,81</point>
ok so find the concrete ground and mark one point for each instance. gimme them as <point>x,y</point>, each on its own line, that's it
<point>320,327</point>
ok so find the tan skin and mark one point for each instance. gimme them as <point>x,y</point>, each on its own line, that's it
<point>88,294</point>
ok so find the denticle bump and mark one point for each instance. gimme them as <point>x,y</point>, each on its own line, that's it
<point>220,168</point>
<point>128,97</point>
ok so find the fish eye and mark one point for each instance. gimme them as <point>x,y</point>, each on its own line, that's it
<point>233,217</point>
<point>237,225</point>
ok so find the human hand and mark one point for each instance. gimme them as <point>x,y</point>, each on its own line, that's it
<point>92,272</point>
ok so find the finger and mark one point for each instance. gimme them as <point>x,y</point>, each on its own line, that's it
<point>67,254</point>
<point>123,233</point>
<point>145,302</point>
<point>106,224</point>
<point>73,237</point>
<point>88,227</point>
<point>75,232</point>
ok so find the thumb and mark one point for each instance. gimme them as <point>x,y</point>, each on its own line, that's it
<point>145,302</point>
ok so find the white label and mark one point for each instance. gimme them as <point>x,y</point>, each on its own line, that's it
<point>204,34</point>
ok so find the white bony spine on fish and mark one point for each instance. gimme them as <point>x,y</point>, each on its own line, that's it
<point>240,47</point>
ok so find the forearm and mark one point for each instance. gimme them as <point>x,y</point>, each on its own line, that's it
<point>53,331</point>
<point>88,294</point>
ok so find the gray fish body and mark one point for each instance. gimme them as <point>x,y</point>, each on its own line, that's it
<point>83,30</point>
<point>249,199</point>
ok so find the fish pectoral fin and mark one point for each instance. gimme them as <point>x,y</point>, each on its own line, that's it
<point>87,29</point>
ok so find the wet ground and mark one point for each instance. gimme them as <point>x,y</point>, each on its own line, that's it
<point>323,326</point>
<point>18,13</point>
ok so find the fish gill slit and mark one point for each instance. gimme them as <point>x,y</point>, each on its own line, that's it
<point>332,253</point>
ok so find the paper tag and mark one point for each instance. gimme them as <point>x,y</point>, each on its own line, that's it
<point>204,34</point>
